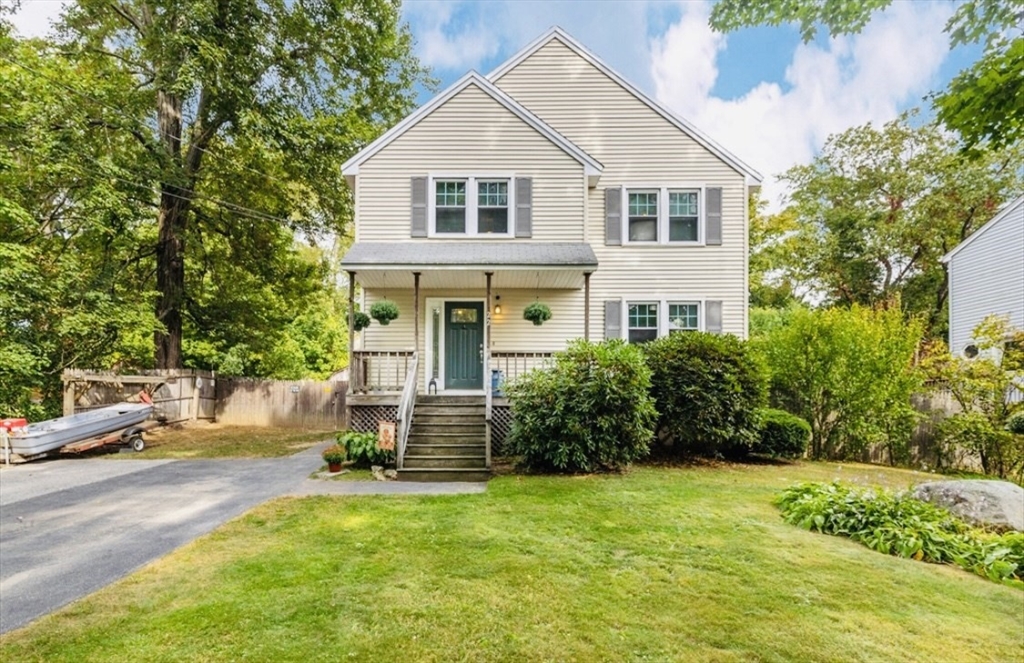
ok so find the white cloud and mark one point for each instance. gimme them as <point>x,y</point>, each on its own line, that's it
<point>35,18</point>
<point>853,80</point>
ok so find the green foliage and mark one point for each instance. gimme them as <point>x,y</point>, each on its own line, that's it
<point>897,524</point>
<point>334,454</point>
<point>873,214</point>
<point>360,321</point>
<point>782,434</point>
<point>537,313</point>
<point>849,373</point>
<point>363,450</point>
<point>591,411</point>
<point>984,103</point>
<point>707,390</point>
<point>384,311</point>
<point>983,387</point>
<point>1015,423</point>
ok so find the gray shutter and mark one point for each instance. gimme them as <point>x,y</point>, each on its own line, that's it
<point>613,216</point>
<point>713,216</point>
<point>713,317</point>
<point>613,318</point>
<point>419,207</point>
<point>524,207</point>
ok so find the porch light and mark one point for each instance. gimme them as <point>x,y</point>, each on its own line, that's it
<point>497,305</point>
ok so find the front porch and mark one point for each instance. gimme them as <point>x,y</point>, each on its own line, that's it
<point>460,332</point>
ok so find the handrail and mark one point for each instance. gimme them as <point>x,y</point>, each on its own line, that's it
<point>379,370</point>
<point>405,408</point>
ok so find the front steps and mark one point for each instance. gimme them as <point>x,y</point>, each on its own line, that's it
<point>447,441</point>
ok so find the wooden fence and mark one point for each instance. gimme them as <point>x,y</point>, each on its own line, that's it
<point>194,395</point>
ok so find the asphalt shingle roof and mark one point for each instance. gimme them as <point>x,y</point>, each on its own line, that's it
<point>469,254</point>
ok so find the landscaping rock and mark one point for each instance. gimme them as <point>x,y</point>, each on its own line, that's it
<point>998,505</point>
<point>390,475</point>
<point>378,472</point>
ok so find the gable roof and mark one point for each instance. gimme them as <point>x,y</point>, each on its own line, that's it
<point>592,167</point>
<point>1000,215</point>
<point>557,33</point>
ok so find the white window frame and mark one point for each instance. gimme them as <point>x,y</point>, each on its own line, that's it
<point>663,320</point>
<point>679,302</point>
<point>472,201</point>
<point>663,213</point>
<point>644,302</point>
<point>657,219</point>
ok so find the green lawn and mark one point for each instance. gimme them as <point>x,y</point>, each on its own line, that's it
<point>661,564</point>
<point>216,441</point>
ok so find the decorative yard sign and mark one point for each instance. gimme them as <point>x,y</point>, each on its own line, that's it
<point>386,435</point>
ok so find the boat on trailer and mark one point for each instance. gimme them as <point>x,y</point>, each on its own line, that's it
<point>45,436</point>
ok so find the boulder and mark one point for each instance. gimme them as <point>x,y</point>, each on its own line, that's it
<point>997,505</point>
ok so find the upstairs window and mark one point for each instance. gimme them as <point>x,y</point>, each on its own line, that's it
<point>450,206</point>
<point>471,207</point>
<point>492,207</point>
<point>683,216</point>
<point>643,216</point>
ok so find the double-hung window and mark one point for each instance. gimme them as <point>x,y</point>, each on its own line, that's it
<point>683,317</point>
<point>647,320</point>
<point>643,322</point>
<point>471,206</point>
<point>664,215</point>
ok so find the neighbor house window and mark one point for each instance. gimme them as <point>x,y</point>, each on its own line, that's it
<point>492,207</point>
<point>643,322</point>
<point>683,317</point>
<point>450,206</point>
<point>683,216</point>
<point>643,216</point>
<point>471,206</point>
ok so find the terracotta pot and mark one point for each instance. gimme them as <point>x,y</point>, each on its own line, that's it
<point>334,467</point>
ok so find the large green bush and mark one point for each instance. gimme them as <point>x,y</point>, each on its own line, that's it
<point>972,434</point>
<point>707,389</point>
<point>591,411</point>
<point>897,524</point>
<point>783,435</point>
<point>1015,423</point>
<point>363,450</point>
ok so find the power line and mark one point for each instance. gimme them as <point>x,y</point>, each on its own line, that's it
<point>147,128</point>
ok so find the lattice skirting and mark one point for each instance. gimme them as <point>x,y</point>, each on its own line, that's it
<point>501,426</point>
<point>365,418</point>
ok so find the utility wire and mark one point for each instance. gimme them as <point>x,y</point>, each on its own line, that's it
<point>138,123</point>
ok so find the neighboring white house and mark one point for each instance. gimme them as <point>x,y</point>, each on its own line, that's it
<point>552,179</point>
<point>986,275</point>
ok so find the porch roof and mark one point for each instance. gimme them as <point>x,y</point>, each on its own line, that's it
<point>454,255</point>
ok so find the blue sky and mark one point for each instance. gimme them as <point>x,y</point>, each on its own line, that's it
<point>760,92</point>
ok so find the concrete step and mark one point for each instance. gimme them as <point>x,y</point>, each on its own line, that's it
<point>438,462</point>
<point>472,450</point>
<point>467,410</point>
<point>443,474</point>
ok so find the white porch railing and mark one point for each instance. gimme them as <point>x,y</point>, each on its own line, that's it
<point>381,371</point>
<point>405,409</point>
<point>514,364</point>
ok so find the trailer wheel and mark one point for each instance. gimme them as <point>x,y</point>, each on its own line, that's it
<point>138,444</point>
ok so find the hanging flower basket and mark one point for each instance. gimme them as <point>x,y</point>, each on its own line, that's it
<point>384,311</point>
<point>360,321</point>
<point>537,313</point>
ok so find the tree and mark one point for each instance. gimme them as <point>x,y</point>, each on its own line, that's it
<point>249,107</point>
<point>877,209</point>
<point>775,246</point>
<point>848,372</point>
<point>984,103</point>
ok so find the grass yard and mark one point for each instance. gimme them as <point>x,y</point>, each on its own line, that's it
<point>216,441</point>
<point>660,564</point>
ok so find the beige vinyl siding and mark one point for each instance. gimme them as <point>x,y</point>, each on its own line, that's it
<point>509,331</point>
<point>470,134</point>
<point>637,146</point>
<point>987,277</point>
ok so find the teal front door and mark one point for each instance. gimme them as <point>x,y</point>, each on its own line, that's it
<point>463,345</point>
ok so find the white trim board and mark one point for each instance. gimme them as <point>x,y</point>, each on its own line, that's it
<point>753,177</point>
<point>591,166</point>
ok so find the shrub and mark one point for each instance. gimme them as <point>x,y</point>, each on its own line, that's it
<point>707,389</point>
<point>591,411</point>
<point>1015,423</point>
<point>384,311</point>
<point>897,524</point>
<point>363,450</point>
<point>783,435</point>
<point>974,433</point>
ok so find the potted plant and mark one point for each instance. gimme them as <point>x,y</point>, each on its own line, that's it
<point>360,321</point>
<point>384,311</point>
<point>537,313</point>
<point>334,455</point>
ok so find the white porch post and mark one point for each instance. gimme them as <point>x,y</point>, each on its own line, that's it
<point>416,311</point>
<point>353,370</point>
<point>586,305</point>
<point>487,367</point>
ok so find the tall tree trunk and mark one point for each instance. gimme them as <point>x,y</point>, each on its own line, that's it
<point>170,252</point>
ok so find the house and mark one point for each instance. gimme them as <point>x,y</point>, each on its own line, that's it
<point>986,276</point>
<point>551,179</point>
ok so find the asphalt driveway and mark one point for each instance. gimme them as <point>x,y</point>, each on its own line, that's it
<point>70,527</point>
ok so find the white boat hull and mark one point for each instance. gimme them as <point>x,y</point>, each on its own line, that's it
<point>55,433</point>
